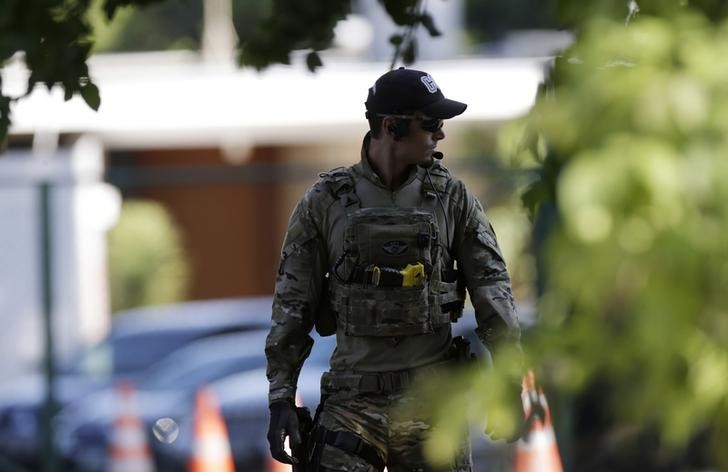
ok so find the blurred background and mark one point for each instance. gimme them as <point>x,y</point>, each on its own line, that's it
<point>176,193</point>
<point>139,242</point>
<point>180,186</point>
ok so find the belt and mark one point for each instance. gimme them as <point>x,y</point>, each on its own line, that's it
<point>375,382</point>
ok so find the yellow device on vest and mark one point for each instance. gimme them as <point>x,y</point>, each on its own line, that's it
<point>413,275</point>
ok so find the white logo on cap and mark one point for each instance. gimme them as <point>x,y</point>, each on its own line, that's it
<point>429,83</point>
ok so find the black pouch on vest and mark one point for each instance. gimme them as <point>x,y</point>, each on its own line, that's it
<point>325,319</point>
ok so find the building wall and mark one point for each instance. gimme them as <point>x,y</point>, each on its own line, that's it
<point>226,213</point>
<point>80,210</point>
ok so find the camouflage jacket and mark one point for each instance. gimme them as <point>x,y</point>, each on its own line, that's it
<point>314,241</point>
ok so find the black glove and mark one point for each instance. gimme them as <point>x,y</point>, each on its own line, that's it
<point>283,422</point>
<point>514,407</point>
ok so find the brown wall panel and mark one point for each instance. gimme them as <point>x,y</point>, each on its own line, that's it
<point>229,227</point>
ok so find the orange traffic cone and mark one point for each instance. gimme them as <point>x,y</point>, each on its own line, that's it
<point>536,451</point>
<point>275,466</point>
<point>211,445</point>
<point>128,447</point>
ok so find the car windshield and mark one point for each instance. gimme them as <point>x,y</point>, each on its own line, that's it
<point>95,361</point>
<point>206,360</point>
<point>133,353</point>
<point>129,353</point>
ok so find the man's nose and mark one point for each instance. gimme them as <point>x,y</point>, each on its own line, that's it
<point>439,134</point>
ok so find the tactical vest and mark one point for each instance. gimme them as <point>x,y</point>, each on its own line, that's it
<point>390,279</point>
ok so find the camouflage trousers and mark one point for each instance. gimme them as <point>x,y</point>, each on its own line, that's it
<point>378,420</point>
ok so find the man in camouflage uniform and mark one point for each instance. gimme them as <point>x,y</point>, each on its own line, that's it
<point>384,250</point>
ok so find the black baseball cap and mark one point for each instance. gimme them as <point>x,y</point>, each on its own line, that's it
<point>403,91</point>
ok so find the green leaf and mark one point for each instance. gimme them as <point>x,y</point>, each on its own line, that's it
<point>90,94</point>
<point>4,120</point>
<point>396,39</point>
<point>401,11</point>
<point>110,7</point>
<point>313,61</point>
<point>410,52</point>
<point>534,196</point>
<point>429,24</point>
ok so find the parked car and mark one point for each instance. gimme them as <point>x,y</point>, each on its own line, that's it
<point>164,390</point>
<point>168,327</point>
<point>243,401</point>
<point>137,338</point>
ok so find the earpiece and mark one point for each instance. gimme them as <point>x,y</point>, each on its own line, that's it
<point>399,128</point>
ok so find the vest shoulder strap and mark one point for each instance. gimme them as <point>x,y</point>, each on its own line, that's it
<point>440,177</point>
<point>341,184</point>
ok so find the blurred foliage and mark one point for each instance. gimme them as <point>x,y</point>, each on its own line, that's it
<point>497,184</point>
<point>577,14</point>
<point>160,26</point>
<point>295,25</point>
<point>513,229</point>
<point>171,24</point>
<point>147,263</point>
<point>56,40</point>
<point>55,37</point>
<point>627,146</point>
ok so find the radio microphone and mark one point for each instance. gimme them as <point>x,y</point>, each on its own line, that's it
<point>435,155</point>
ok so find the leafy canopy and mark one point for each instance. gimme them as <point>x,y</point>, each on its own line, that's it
<point>55,38</point>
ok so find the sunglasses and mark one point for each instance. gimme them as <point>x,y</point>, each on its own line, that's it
<point>431,125</point>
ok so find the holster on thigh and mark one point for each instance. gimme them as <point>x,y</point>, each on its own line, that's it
<point>348,442</point>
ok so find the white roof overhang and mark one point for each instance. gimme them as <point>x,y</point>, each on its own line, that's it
<point>172,99</point>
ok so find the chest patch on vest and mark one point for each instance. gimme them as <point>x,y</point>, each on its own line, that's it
<point>395,248</point>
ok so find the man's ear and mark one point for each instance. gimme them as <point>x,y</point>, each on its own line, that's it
<point>389,126</point>
<point>393,127</point>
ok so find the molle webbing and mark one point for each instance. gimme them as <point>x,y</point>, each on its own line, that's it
<point>378,243</point>
<point>377,311</point>
<point>383,382</point>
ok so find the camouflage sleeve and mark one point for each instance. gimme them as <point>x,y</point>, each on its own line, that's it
<point>486,276</point>
<point>298,288</point>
